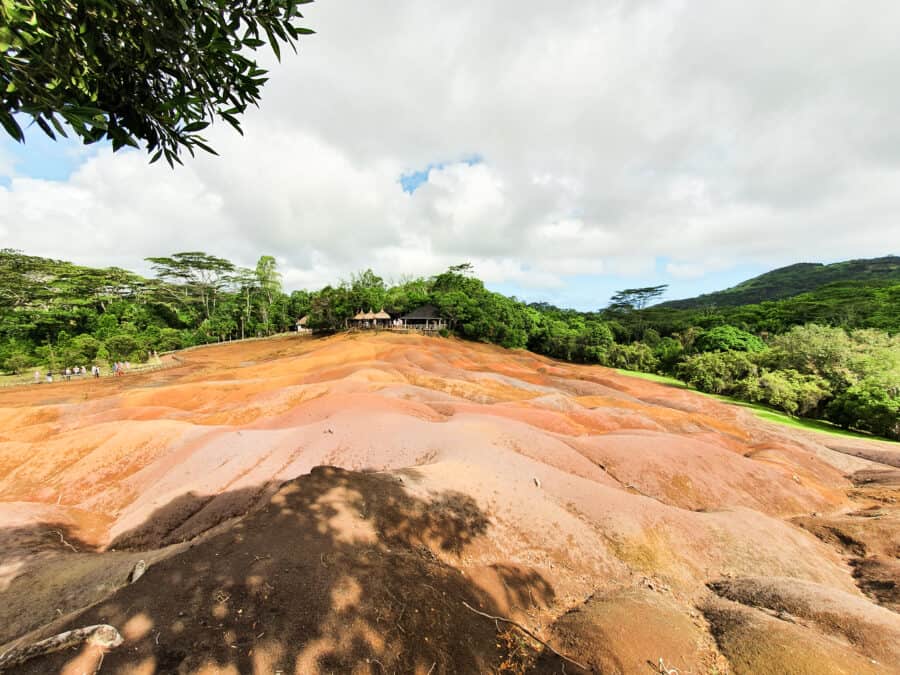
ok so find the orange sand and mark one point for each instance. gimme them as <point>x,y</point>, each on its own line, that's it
<point>596,479</point>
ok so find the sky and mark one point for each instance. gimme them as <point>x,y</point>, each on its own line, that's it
<point>566,150</point>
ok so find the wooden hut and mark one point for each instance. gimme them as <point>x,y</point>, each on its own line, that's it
<point>382,319</point>
<point>370,319</point>
<point>302,325</point>
<point>361,320</point>
<point>424,318</point>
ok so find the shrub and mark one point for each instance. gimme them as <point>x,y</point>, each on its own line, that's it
<point>870,405</point>
<point>80,350</point>
<point>790,391</point>
<point>815,350</point>
<point>668,351</point>
<point>169,340</point>
<point>16,362</point>
<point>122,346</point>
<point>728,338</point>
<point>717,372</point>
<point>636,356</point>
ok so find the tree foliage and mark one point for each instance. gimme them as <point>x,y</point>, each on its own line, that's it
<point>635,298</point>
<point>872,404</point>
<point>727,338</point>
<point>151,71</point>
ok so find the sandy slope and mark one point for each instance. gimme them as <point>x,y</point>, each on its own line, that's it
<point>592,507</point>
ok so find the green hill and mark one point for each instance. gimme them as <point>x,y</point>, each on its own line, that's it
<point>793,280</point>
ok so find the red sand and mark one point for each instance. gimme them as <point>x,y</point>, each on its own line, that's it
<point>595,480</point>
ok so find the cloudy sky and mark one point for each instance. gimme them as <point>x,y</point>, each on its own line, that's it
<point>565,149</point>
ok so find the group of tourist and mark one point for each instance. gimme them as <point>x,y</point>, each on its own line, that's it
<point>118,368</point>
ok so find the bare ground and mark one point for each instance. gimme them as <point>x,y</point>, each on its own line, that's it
<point>628,525</point>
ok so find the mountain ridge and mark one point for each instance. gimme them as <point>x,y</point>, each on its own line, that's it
<point>793,280</point>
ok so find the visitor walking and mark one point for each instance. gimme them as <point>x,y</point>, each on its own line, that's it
<point>37,377</point>
<point>68,374</point>
<point>49,377</point>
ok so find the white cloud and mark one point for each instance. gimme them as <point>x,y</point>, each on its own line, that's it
<point>612,134</point>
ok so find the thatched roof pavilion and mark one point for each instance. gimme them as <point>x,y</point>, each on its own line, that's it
<point>426,317</point>
<point>370,319</point>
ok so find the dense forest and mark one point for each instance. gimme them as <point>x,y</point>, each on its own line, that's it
<point>832,352</point>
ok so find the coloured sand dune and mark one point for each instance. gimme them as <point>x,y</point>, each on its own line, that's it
<point>360,503</point>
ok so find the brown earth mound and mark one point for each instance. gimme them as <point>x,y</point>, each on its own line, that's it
<point>637,630</point>
<point>586,507</point>
<point>754,642</point>
<point>873,629</point>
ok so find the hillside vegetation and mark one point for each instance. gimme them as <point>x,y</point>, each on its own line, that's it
<point>832,353</point>
<point>786,282</point>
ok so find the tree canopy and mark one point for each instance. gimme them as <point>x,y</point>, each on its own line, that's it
<point>156,72</point>
<point>636,298</point>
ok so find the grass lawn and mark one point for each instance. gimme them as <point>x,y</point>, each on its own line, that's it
<point>662,379</point>
<point>13,380</point>
<point>762,411</point>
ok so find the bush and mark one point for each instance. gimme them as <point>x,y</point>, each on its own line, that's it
<point>717,372</point>
<point>815,350</point>
<point>728,338</point>
<point>106,326</point>
<point>790,391</point>
<point>870,405</point>
<point>169,340</point>
<point>16,363</point>
<point>80,350</point>
<point>636,356</point>
<point>122,346</point>
<point>668,351</point>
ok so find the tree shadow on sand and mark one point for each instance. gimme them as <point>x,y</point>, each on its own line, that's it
<point>338,571</point>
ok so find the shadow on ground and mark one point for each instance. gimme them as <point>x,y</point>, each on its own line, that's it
<point>337,572</point>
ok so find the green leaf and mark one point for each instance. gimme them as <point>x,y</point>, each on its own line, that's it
<point>42,123</point>
<point>58,126</point>
<point>208,149</point>
<point>232,121</point>
<point>273,42</point>
<point>12,127</point>
<point>195,126</point>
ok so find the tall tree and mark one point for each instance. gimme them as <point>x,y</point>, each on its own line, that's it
<point>367,291</point>
<point>197,277</point>
<point>246,281</point>
<point>157,71</point>
<point>636,298</point>
<point>269,280</point>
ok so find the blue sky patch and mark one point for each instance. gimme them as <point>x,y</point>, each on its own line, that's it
<point>41,157</point>
<point>411,181</point>
<point>590,292</point>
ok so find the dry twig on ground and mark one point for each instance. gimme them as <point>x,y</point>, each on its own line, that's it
<point>526,631</point>
<point>63,540</point>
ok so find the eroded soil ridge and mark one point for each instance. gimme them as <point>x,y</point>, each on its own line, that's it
<point>360,503</point>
